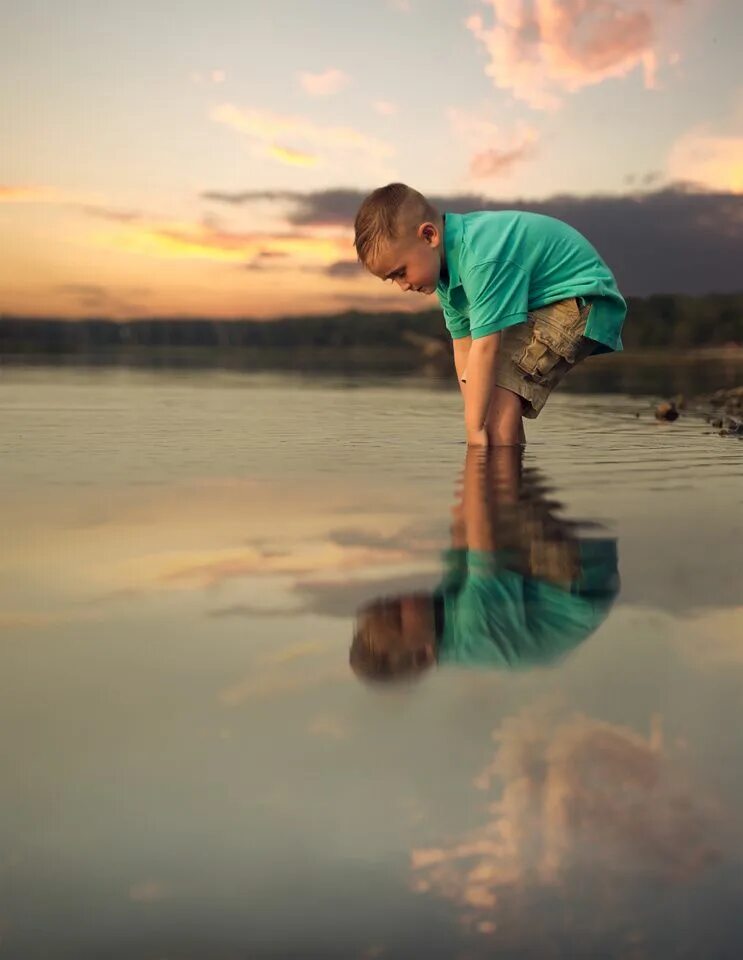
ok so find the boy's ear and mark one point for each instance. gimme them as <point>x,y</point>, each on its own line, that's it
<point>429,232</point>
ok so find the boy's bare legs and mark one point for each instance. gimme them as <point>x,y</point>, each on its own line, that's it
<point>505,424</point>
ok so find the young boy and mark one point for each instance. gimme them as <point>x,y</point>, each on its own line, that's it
<point>525,297</point>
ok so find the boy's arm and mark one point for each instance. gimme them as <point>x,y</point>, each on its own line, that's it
<point>481,361</point>
<point>461,353</point>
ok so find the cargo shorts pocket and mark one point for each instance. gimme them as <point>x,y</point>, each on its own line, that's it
<point>556,338</point>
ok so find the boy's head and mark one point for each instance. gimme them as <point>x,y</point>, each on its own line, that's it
<point>399,237</point>
<point>395,638</point>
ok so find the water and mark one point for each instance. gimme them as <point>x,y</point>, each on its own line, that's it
<point>193,770</point>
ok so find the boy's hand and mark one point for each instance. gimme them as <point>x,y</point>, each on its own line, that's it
<point>477,438</point>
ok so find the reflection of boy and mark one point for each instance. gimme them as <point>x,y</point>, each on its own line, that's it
<point>519,589</point>
<point>492,615</point>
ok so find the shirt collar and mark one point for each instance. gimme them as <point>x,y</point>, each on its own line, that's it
<point>452,246</point>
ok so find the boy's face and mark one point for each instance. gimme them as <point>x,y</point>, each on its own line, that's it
<point>413,263</point>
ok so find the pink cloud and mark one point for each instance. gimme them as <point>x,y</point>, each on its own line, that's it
<point>385,108</point>
<point>324,84</point>
<point>26,193</point>
<point>544,49</point>
<point>287,137</point>
<point>494,152</point>
<point>708,159</point>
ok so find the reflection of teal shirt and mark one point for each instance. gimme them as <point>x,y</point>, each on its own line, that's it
<point>497,617</point>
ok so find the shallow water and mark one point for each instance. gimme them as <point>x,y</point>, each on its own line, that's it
<point>192,769</point>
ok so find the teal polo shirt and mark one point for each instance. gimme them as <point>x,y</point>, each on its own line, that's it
<point>502,264</point>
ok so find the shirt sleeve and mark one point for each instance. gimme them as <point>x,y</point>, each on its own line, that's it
<point>498,294</point>
<point>456,323</point>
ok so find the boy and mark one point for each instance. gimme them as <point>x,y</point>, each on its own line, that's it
<point>525,297</point>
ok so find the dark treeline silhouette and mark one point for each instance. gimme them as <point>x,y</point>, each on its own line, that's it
<point>672,320</point>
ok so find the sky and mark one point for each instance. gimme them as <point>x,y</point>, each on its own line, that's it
<point>207,159</point>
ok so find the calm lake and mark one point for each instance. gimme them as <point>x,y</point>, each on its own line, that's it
<point>194,770</point>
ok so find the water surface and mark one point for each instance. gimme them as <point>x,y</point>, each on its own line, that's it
<point>193,770</point>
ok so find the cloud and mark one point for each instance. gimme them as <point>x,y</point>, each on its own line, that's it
<point>213,77</point>
<point>709,160</point>
<point>208,240</point>
<point>541,51</point>
<point>671,240</point>
<point>344,270</point>
<point>324,84</point>
<point>496,163</point>
<point>385,108</point>
<point>268,260</point>
<point>26,193</point>
<point>269,131</point>
<point>293,158</point>
<point>104,300</point>
<point>333,207</point>
<point>495,153</point>
<point>111,213</point>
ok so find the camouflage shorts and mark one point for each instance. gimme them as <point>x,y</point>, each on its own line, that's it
<point>535,356</point>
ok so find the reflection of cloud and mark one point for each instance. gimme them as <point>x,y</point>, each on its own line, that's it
<point>373,952</point>
<point>298,651</point>
<point>541,51</point>
<point>576,794</point>
<point>250,610</point>
<point>711,638</point>
<point>328,727</point>
<point>324,84</point>
<point>33,620</point>
<point>293,668</point>
<point>333,598</point>
<point>264,686</point>
<point>148,891</point>
<point>305,558</point>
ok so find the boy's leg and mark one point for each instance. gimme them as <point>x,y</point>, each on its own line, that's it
<point>535,356</point>
<point>504,424</point>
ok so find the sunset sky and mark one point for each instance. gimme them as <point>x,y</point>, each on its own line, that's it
<point>206,159</point>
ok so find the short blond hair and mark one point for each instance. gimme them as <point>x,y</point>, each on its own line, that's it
<point>389,213</point>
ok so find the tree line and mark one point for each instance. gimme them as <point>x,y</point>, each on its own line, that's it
<point>662,320</point>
